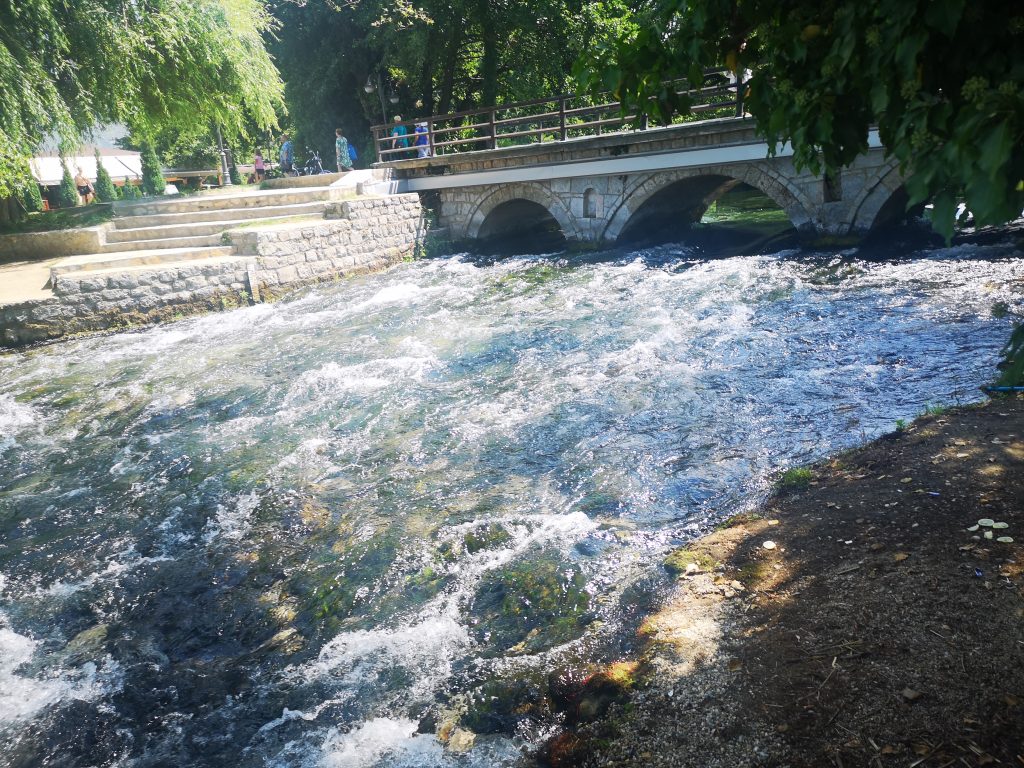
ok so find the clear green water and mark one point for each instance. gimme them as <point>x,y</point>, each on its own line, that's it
<point>288,534</point>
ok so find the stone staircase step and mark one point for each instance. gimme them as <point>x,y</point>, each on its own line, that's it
<point>164,266</point>
<point>236,214</point>
<point>248,199</point>
<point>166,232</point>
<point>197,241</point>
<point>151,259</point>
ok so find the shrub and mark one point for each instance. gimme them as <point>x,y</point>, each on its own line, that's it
<point>233,174</point>
<point>67,196</point>
<point>106,192</point>
<point>795,478</point>
<point>152,176</point>
<point>129,191</point>
<point>32,198</point>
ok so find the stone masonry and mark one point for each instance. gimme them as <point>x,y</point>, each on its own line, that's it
<point>597,207</point>
<point>360,235</point>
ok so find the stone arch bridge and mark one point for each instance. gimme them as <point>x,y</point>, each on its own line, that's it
<point>600,189</point>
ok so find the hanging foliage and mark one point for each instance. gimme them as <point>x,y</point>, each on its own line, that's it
<point>66,67</point>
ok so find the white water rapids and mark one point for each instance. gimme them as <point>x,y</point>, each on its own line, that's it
<point>307,533</point>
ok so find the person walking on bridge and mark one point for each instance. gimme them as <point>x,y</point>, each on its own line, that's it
<point>399,137</point>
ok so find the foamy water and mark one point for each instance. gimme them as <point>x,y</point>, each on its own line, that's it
<point>305,534</point>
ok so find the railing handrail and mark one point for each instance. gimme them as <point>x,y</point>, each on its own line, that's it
<point>487,128</point>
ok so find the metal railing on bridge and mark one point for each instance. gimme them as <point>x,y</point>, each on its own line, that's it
<point>557,118</point>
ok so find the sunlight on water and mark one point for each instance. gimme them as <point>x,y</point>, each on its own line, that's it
<point>313,533</point>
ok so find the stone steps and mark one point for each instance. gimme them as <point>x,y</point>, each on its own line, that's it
<point>144,235</point>
<point>129,269</point>
<point>199,203</point>
<point>149,259</point>
<point>196,241</point>
<point>140,221</point>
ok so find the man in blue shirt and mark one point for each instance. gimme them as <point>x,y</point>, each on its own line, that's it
<point>287,153</point>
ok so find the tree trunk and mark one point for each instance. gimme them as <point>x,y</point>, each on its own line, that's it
<point>427,74</point>
<point>489,65</point>
<point>451,62</point>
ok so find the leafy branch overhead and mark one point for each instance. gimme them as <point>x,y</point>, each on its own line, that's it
<point>943,81</point>
<point>66,67</point>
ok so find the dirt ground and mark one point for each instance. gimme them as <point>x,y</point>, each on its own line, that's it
<point>878,631</point>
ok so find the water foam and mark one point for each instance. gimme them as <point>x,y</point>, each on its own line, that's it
<point>232,521</point>
<point>23,697</point>
<point>379,738</point>
<point>15,417</point>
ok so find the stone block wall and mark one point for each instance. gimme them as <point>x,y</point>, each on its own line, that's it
<point>85,302</point>
<point>359,235</point>
<point>362,235</point>
<point>65,242</point>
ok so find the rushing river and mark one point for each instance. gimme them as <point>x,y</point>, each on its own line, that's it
<point>313,533</point>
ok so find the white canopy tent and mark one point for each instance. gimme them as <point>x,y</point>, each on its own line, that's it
<point>121,164</point>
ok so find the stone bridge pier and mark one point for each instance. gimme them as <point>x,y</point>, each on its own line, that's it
<point>609,189</point>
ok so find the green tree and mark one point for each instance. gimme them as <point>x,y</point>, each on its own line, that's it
<point>233,174</point>
<point>67,194</point>
<point>942,80</point>
<point>152,174</point>
<point>33,199</point>
<point>150,64</point>
<point>105,190</point>
<point>431,57</point>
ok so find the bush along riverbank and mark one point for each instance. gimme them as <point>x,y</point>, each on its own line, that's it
<point>869,614</point>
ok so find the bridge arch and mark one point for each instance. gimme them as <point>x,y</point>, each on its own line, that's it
<point>699,187</point>
<point>880,203</point>
<point>506,196</point>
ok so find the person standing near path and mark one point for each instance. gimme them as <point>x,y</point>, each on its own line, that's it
<point>84,186</point>
<point>341,151</point>
<point>259,166</point>
<point>399,137</point>
<point>287,154</point>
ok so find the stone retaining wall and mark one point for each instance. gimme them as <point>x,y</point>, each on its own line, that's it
<point>358,235</point>
<point>64,242</point>
<point>362,235</point>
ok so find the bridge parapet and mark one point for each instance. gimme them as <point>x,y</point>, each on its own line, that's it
<point>595,187</point>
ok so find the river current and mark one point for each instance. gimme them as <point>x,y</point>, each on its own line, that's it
<point>311,533</point>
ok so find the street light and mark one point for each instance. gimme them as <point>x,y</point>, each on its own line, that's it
<point>370,88</point>
<point>225,176</point>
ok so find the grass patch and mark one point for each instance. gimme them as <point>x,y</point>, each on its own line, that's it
<point>741,519</point>
<point>794,479</point>
<point>752,574</point>
<point>677,561</point>
<point>935,410</point>
<point>62,218</point>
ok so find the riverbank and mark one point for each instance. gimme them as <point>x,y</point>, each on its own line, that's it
<point>856,620</point>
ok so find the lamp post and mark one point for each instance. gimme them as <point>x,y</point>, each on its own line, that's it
<point>370,88</point>
<point>225,176</point>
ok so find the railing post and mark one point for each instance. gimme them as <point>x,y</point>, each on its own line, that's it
<point>739,94</point>
<point>494,129</point>
<point>561,119</point>
<point>430,137</point>
<point>377,144</point>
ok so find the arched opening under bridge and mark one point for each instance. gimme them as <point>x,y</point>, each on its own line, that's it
<point>519,226</point>
<point>719,214</point>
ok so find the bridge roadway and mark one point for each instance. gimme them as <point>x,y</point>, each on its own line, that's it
<point>602,189</point>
